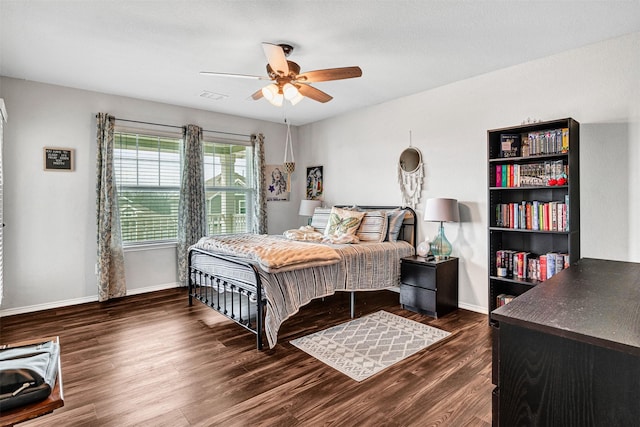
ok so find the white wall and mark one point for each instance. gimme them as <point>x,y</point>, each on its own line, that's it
<point>50,237</point>
<point>597,85</point>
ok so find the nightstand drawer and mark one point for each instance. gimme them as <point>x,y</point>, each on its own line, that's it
<point>420,275</point>
<point>415,297</point>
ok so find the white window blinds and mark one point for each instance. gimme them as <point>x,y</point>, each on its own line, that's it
<point>147,170</point>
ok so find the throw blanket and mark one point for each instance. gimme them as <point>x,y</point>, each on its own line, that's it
<point>272,253</point>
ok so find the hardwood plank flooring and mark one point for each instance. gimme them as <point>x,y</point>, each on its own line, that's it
<point>151,360</point>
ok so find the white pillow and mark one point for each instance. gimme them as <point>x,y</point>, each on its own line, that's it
<point>320,219</point>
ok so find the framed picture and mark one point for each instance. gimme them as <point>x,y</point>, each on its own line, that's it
<point>315,185</point>
<point>58,159</point>
<point>277,187</point>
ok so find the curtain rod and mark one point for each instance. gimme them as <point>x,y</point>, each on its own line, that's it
<point>181,127</point>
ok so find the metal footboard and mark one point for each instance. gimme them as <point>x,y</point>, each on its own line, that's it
<point>241,301</point>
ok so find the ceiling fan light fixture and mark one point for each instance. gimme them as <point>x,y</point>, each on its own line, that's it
<point>270,92</point>
<point>290,91</point>
<point>299,97</point>
<point>277,100</point>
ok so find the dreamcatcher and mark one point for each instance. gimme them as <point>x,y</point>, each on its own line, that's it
<point>410,175</point>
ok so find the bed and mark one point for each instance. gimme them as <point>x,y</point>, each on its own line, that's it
<point>236,276</point>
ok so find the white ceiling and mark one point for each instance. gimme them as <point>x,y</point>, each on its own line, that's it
<point>155,50</point>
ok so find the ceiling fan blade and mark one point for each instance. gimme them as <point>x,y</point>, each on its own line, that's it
<point>276,57</point>
<point>330,74</point>
<point>313,93</point>
<point>241,76</point>
<point>257,94</point>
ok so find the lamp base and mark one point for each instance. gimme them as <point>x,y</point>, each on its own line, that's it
<point>440,246</point>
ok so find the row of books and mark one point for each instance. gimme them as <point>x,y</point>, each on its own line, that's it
<point>535,215</point>
<point>532,174</point>
<point>535,143</point>
<point>503,299</point>
<point>525,265</point>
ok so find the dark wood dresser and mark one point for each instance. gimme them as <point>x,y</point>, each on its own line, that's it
<point>567,353</point>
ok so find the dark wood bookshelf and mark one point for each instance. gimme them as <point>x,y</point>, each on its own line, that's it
<point>541,241</point>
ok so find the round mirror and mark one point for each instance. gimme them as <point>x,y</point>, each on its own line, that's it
<point>410,160</point>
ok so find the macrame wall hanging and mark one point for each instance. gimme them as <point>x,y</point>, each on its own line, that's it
<point>289,162</point>
<point>410,175</point>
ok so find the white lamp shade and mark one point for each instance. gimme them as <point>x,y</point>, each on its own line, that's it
<point>445,210</point>
<point>307,207</point>
<point>299,97</point>
<point>289,91</point>
<point>270,91</point>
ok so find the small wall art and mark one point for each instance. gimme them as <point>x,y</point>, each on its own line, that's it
<point>58,159</point>
<point>315,184</point>
<point>277,187</point>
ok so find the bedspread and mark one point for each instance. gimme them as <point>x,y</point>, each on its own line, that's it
<point>272,253</point>
<point>361,267</point>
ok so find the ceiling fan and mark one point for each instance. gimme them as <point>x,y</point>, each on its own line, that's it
<point>288,82</point>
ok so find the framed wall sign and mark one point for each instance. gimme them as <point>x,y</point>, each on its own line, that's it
<point>58,159</point>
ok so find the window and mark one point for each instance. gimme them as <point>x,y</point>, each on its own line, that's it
<point>147,170</point>
<point>228,186</point>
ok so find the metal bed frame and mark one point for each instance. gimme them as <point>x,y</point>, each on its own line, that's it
<point>245,304</point>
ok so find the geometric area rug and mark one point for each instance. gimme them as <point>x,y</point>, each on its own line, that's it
<point>365,346</point>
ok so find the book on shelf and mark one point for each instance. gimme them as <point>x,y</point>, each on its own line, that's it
<point>552,141</point>
<point>524,265</point>
<point>510,145</point>
<point>534,215</point>
<point>503,299</point>
<point>547,173</point>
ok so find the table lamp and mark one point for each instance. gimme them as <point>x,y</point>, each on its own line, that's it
<point>441,210</point>
<point>307,207</point>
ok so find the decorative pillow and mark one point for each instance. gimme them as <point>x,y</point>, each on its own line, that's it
<point>373,227</point>
<point>395,223</point>
<point>320,219</point>
<point>342,221</point>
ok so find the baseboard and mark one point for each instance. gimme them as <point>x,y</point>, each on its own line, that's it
<point>471,307</point>
<point>83,300</point>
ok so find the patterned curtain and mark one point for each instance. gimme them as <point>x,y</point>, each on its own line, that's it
<point>192,215</point>
<point>259,215</point>
<point>111,278</point>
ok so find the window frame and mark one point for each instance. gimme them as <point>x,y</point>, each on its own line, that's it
<point>249,189</point>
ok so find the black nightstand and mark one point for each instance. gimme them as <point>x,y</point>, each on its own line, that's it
<point>429,287</point>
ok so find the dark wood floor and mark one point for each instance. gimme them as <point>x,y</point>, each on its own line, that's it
<point>151,360</point>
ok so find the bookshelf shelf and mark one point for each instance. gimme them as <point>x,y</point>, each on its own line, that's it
<point>525,282</point>
<point>524,230</point>
<point>540,187</point>
<point>531,215</point>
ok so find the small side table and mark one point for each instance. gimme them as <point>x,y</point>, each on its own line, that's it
<point>429,287</point>
<point>37,409</point>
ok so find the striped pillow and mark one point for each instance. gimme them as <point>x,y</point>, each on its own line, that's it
<point>320,219</point>
<point>373,227</point>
